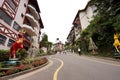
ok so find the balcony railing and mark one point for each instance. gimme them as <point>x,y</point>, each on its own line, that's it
<point>29,30</point>
<point>32,20</point>
<point>28,37</point>
<point>33,11</point>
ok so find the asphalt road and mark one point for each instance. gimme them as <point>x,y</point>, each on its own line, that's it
<point>74,67</point>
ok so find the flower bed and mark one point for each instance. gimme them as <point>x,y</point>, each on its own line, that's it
<point>23,66</point>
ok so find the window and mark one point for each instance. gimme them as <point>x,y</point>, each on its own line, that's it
<point>2,39</point>
<point>5,17</point>
<point>10,42</point>
<point>22,15</point>
<point>25,5</point>
<point>28,37</point>
<point>12,4</point>
<point>16,26</point>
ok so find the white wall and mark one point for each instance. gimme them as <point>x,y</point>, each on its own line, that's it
<point>21,9</point>
<point>86,16</point>
<point>35,38</point>
<point>89,13</point>
<point>5,45</point>
<point>1,2</point>
<point>35,43</point>
<point>84,20</point>
<point>77,33</point>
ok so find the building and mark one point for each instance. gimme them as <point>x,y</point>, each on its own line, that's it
<point>81,21</point>
<point>16,15</point>
<point>86,15</point>
<point>74,33</point>
<point>77,26</point>
<point>58,47</point>
<point>71,36</point>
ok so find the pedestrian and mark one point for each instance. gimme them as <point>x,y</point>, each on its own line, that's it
<point>79,51</point>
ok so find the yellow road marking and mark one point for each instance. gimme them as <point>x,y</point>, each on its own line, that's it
<point>56,72</point>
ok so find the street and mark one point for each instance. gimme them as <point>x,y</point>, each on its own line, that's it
<point>74,67</point>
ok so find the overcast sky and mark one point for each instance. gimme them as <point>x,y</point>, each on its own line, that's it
<point>58,15</point>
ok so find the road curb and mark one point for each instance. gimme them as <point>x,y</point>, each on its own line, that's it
<point>105,58</point>
<point>23,72</point>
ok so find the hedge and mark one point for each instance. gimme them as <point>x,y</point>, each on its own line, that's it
<point>4,54</point>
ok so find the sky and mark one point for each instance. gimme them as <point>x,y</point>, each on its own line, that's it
<point>57,17</point>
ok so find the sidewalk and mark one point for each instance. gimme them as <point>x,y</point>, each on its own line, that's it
<point>104,59</point>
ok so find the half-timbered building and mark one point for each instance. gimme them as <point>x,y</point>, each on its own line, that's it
<point>16,15</point>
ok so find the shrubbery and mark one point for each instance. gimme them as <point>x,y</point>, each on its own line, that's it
<point>25,65</point>
<point>4,54</point>
<point>23,54</point>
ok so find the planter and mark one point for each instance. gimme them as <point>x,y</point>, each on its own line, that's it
<point>4,72</point>
<point>10,64</point>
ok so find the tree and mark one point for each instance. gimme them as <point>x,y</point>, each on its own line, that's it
<point>104,24</point>
<point>45,43</point>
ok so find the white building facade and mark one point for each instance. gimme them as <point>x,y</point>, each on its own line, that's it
<point>86,15</point>
<point>16,15</point>
<point>81,21</point>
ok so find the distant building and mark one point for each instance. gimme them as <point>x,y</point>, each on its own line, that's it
<point>16,15</point>
<point>58,46</point>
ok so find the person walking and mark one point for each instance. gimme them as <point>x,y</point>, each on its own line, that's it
<point>79,51</point>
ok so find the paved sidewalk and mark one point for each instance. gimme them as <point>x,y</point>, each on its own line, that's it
<point>104,59</point>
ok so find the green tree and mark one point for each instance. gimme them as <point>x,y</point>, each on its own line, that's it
<point>104,24</point>
<point>45,43</point>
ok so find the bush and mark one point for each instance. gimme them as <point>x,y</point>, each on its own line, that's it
<point>41,53</point>
<point>2,73</point>
<point>4,55</point>
<point>50,52</point>
<point>25,65</point>
<point>36,52</point>
<point>22,54</point>
<point>27,60</point>
<point>0,64</point>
